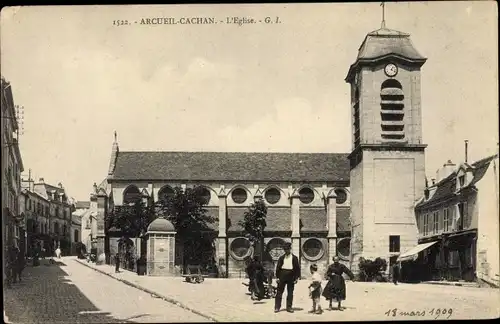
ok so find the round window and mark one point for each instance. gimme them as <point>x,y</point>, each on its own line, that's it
<point>344,248</point>
<point>275,248</point>
<point>165,194</point>
<point>341,196</point>
<point>272,195</point>
<point>239,195</point>
<point>313,249</point>
<point>306,195</point>
<point>240,248</point>
<point>205,195</point>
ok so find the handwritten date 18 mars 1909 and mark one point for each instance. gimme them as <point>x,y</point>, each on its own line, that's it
<point>435,312</point>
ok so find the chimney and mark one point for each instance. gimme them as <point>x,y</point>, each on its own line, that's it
<point>466,149</point>
<point>95,187</point>
<point>41,180</point>
<point>446,170</point>
<point>59,185</point>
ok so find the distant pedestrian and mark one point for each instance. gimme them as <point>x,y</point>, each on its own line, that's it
<point>287,274</point>
<point>335,289</point>
<point>117,263</point>
<point>315,290</point>
<point>58,253</point>
<point>43,253</point>
<point>222,268</point>
<point>11,265</point>
<point>20,263</point>
<point>395,273</point>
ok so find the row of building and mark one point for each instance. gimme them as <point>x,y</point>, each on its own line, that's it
<point>12,166</point>
<point>48,211</point>
<point>35,215</point>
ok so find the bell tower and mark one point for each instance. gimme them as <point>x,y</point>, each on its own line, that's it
<point>388,156</point>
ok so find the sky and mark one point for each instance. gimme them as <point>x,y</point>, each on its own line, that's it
<point>260,87</point>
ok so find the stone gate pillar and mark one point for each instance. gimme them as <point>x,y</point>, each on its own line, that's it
<point>295,222</point>
<point>161,248</point>
<point>332,224</point>
<point>101,198</point>
<point>222,237</point>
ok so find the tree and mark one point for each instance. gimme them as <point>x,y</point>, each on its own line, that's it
<point>254,224</point>
<point>185,209</point>
<point>131,220</point>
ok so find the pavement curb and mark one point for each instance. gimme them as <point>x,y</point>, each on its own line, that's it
<point>154,294</point>
<point>455,284</point>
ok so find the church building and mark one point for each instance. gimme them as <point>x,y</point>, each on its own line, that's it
<point>326,204</point>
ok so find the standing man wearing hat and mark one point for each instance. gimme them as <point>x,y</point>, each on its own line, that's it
<point>287,274</point>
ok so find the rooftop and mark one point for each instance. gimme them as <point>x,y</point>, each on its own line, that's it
<point>231,166</point>
<point>384,41</point>
<point>446,187</point>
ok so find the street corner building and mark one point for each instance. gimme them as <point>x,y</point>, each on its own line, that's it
<point>458,225</point>
<point>48,212</point>
<point>13,223</point>
<point>356,205</point>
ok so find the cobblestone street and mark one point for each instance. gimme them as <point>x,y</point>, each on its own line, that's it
<point>71,293</point>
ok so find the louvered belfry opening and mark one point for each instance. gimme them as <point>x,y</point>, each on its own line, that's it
<point>357,134</point>
<point>392,110</point>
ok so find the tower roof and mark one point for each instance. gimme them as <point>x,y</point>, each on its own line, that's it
<point>383,43</point>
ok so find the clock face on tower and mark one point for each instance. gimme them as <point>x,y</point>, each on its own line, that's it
<point>391,70</point>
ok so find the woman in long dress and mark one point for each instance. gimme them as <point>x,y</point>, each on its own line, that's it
<point>335,289</point>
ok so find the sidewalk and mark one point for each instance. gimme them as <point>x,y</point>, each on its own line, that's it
<point>220,300</point>
<point>225,300</point>
<point>453,283</point>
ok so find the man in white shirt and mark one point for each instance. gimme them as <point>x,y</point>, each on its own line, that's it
<point>287,273</point>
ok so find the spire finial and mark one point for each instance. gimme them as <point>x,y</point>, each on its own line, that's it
<point>383,14</point>
<point>115,137</point>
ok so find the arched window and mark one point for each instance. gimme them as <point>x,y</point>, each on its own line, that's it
<point>357,137</point>
<point>306,195</point>
<point>392,110</point>
<point>272,195</point>
<point>165,193</point>
<point>239,195</point>
<point>131,195</point>
<point>204,194</point>
<point>56,228</point>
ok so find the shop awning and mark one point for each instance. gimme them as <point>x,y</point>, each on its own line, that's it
<point>410,254</point>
